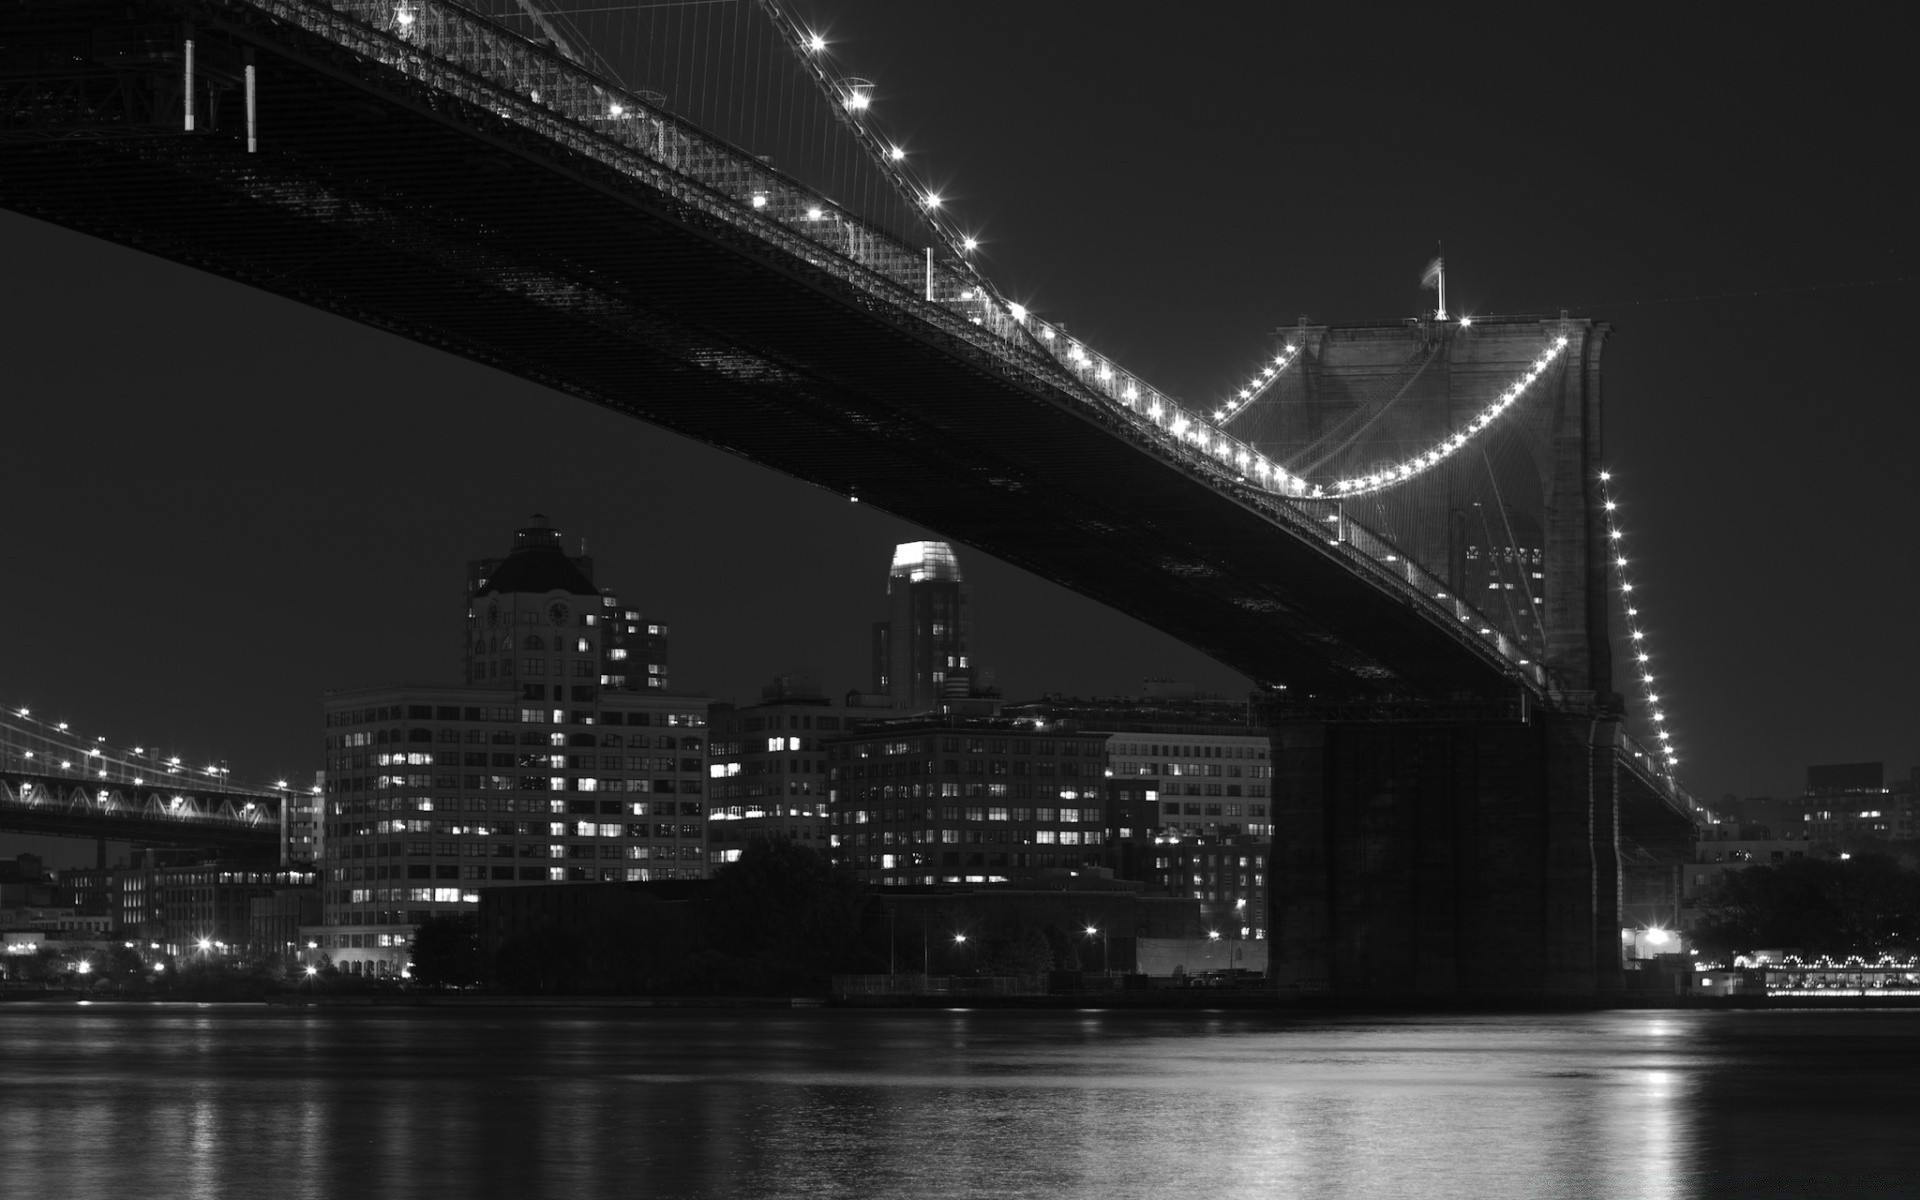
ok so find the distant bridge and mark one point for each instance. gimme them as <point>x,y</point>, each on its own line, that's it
<point>54,782</point>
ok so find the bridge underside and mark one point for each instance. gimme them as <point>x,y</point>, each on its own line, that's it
<point>377,198</point>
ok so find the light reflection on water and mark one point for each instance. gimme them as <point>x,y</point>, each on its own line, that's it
<point>245,1102</point>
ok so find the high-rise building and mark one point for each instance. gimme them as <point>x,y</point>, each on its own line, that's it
<point>546,767</point>
<point>922,652</point>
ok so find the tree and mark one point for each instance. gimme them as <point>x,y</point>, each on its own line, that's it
<point>446,951</point>
<point>1817,906</point>
<point>782,917</point>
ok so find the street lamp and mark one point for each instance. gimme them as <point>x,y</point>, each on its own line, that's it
<point>1106,950</point>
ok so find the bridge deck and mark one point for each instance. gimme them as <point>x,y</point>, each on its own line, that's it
<point>380,198</point>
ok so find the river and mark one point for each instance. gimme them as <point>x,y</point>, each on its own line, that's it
<point>153,1101</point>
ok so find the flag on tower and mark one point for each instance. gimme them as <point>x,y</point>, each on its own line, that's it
<point>1436,277</point>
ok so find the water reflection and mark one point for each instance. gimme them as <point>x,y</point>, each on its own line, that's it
<point>215,1102</point>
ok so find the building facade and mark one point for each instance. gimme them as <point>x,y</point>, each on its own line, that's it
<point>767,767</point>
<point>1188,784</point>
<point>964,800</point>
<point>182,909</point>
<point>555,763</point>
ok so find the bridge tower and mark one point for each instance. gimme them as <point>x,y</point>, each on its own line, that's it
<point>1477,841</point>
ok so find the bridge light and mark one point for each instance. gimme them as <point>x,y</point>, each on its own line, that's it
<point>759,199</point>
<point>62,727</point>
<point>65,765</point>
<point>896,153</point>
<point>616,110</point>
<point>404,16</point>
<point>816,43</point>
<point>1466,322</point>
<point>23,712</point>
<point>933,200</point>
<point>971,244</point>
<point>813,214</point>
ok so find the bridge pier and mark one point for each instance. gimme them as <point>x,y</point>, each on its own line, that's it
<point>1447,855</point>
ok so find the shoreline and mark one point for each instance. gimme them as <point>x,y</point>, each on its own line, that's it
<point>1241,1002</point>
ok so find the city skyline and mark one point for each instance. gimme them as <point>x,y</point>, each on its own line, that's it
<point>206,535</point>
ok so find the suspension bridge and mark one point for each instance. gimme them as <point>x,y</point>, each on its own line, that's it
<point>56,782</point>
<point>1401,532</point>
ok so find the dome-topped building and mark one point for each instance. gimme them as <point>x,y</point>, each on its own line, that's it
<point>535,619</point>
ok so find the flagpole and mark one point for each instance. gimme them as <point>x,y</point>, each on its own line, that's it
<point>1443,289</point>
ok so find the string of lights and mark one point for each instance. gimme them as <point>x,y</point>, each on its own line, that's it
<point>1636,634</point>
<point>61,748</point>
<point>1263,382</point>
<point>1447,447</point>
<point>855,97</point>
<point>953,278</point>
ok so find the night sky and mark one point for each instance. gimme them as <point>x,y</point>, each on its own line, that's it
<point>220,505</point>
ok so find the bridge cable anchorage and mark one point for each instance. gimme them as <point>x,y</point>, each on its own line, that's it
<point>1669,759</point>
<point>1447,447</point>
<point>1257,388</point>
